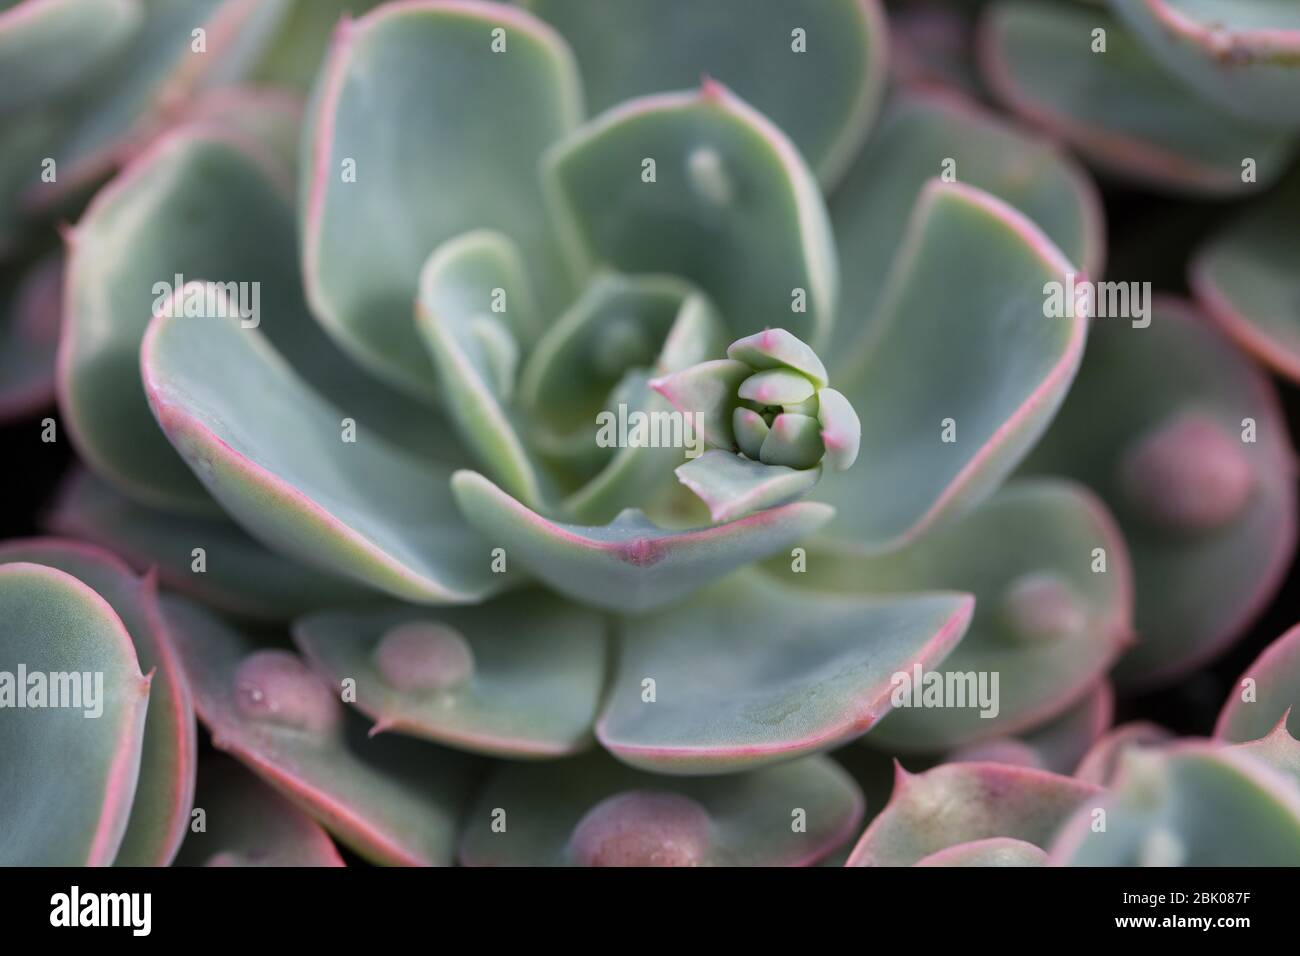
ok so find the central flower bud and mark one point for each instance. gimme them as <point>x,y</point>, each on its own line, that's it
<point>786,413</point>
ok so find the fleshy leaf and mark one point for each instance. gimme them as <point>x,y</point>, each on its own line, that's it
<point>631,564</point>
<point>204,204</point>
<point>699,184</point>
<point>528,683</point>
<point>585,388</point>
<point>376,198</point>
<point>73,810</point>
<point>750,430</point>
<point>29,338</point>
<point>238,574</point>
<point>1192,805</point>
<point>1046,626</point>
<point>918,134</point>
<point>165,788</point>
<point>1267,693</point>
<point>948,408</point>
<point>778,349</point>
<point>708,390</point>
<point>593,811</point>
<point>393,800</point>
<point>1184,441</point>
<point>619,322</point>
<point>793,441</point>
<point>1278,749</point>
<point>1243,55</point>
<point>48,48</point>
<point>959,803</point>
<point>750,672</point>
<point>473,283</point>
<point>732,486</point>
<point>993,852</point>
<point>818,71</point>
<point>841,429</point>
<point>1247,279</point>
<point>247,823</point>
<point>364,510</point>
<point>776,386</point>
<point>1119,109</point>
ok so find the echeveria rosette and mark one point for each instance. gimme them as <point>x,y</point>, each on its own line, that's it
<point>400,471</point>
<point>769,406</point>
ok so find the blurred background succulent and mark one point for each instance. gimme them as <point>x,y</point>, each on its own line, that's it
<point>319,315</point>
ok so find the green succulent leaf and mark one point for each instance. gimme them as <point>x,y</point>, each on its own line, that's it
<point>364,510</point>
<point>959,803</point>
<point>593,811</point>
<point>1247,279</point>
<point>385,187</point>
<point>1279,750</point>
<point>49,48</point>
<point>619,322</point>
<point>1047,627</point>
<point>164,790</point>
<point>699,184</point>
<point>778,349</point>
<point>707,390</point>
<point>248,823</point>
<point>1126,116</point>
<point>589,377</point>
<point>518,677</point>
<point>818,70</point>
<point>238,574</point>
<point>29,338</point>
<point>749,672</point>
<point>72,811</point>
<point>1266,695</point>
<point>732,487</point>
<point>1243,55</point>
<point>475,313</point>
<point>841,429</point>
<point>993,852</point>
<point>631,564</point>
<point>393,800</point>
<point>1182,438</point>
<point>1194,804</point>
<point>205,205</point>
<point>949,407</point>
<point>925,133</point>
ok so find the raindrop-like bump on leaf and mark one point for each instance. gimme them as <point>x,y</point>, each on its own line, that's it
<point>642,828</point>
<point>277,686</point>
<point>424,656</point>
<point>1042,607</point>
<point>1187,475</point>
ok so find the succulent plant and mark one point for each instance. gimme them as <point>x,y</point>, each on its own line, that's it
<point>555,433</point>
